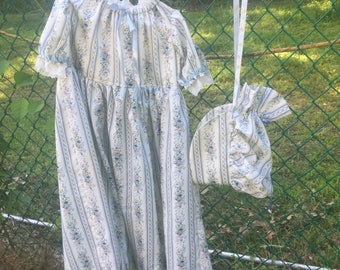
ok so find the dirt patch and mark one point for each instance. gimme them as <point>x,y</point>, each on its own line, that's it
<point>28,247</point>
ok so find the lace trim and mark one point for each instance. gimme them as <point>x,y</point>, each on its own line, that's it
<point>50,68</point>
<point>197,80</point>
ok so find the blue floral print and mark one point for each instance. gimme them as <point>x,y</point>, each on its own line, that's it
<point>122,134</point>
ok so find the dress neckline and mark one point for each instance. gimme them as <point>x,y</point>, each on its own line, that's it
<point>126,5</point>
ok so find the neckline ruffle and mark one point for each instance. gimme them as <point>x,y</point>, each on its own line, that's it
<point>127,6</point>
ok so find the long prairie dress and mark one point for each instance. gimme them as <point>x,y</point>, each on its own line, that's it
<point>122,134</point>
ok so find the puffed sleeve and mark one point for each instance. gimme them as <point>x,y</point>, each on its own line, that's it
<point>193,71</point>
<point>55,46</point>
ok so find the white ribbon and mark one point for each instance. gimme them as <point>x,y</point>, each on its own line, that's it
<point>239,29</point>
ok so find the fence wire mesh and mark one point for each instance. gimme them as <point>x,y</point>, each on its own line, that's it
<point>290,45</point>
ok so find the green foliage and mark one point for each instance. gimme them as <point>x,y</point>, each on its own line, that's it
<point>11,187</point>
<point>4,64</point>
<point>18,6</point>
<point>20,108</point>
<point>22,79</point>
<point>3,144</point>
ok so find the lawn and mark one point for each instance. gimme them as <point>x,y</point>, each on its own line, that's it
<point>304,224</point>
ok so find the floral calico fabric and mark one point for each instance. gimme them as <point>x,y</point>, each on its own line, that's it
<point>231,145</point>
<point>122,134</point>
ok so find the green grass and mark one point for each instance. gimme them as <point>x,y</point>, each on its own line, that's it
<point>304,224</point>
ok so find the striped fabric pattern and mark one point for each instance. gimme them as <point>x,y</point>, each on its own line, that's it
<point>122,134</point>
<point>231,145</point>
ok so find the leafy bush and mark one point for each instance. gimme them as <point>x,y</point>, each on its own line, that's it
<point>19,109</point>
<point>18,6</point>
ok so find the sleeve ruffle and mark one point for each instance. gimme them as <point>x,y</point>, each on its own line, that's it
<point>193,71</point>
<point>195,81</point>
<point>55,46</point>
<point>50,68</point>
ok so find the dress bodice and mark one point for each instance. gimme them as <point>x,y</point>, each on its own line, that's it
<point>116,42</point>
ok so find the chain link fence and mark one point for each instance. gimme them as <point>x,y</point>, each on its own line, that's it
<point>290,45</point>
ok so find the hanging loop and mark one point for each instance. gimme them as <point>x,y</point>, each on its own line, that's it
<point>240,14</point>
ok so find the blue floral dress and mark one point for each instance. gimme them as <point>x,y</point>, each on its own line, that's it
<point>122,134</point>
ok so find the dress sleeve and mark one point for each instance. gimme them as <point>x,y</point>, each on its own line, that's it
<point>55,46</point>
<point>193,70</point>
